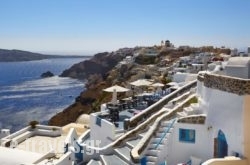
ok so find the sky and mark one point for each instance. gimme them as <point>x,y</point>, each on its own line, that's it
<point>86,27</point>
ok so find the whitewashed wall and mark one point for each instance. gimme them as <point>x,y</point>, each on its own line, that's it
<point>104,133</point>
<point>241,72</point>
<point>180,152</point>
<point>225,112</point>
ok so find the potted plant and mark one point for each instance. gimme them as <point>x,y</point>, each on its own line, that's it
<point>33,124</point>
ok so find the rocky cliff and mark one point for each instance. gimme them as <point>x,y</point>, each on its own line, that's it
<point>101,63</point>
<point>95,71</point>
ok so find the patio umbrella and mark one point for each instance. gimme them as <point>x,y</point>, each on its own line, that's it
<point>173,84</point>
<point>141,82</point>
<point>157,85</point>
<point>114,89</point>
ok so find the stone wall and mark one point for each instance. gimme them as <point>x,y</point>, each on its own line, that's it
<point>225,83</point>
<point>193,119</point>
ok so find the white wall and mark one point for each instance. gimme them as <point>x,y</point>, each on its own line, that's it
<point>225,112</point>
<point>241,72</point>
<point>180,152</point>
<point>104,133</point>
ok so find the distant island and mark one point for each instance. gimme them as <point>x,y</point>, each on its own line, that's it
<point>20,55</point>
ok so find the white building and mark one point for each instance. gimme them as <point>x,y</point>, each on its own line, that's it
<point>206,121</point>
<point>238,67</point>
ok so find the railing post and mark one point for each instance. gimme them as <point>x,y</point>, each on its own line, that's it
<point>126,123</point>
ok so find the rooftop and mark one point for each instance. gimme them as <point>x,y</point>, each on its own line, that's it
<point>16,156</point>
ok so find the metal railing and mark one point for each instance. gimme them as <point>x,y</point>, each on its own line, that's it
<point>165,133</point>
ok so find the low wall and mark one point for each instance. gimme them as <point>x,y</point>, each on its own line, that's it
<point>65,159</point>
<point>193,119</point>
<point>224,83</point>
<point>226,161</point>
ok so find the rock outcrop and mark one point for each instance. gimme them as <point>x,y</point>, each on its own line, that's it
<point>47,74</point>
<point>101,63</point>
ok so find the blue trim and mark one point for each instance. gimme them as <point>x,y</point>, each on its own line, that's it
<point>79,155</point>
<point>222,145</point>
<point>163,163</point>
<point>98,121</point>
<point>187,135</point>
<point>143,160</point>
<point>165,133</point>
<point>66,148</point>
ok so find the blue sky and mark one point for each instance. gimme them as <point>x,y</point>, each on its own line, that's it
<point>90,26</point>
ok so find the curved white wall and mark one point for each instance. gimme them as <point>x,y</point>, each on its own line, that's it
<point>225,112</point>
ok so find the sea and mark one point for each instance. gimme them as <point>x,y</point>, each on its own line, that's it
<point>25,96</point>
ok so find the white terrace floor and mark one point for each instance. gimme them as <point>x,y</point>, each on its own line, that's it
<point>43,144</point>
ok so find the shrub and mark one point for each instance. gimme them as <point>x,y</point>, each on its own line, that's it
<point>33,124</point>
<point>193,100</point>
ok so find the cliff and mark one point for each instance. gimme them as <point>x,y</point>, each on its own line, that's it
<point>102,71</point>
<point>95,71</point>
<point>101,63</point>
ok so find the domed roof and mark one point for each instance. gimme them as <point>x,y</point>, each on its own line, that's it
<point>239,61</point>
<point>83,119</point>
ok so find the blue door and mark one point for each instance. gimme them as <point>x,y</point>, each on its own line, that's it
<point>222,145</point>
<point>79,154</point>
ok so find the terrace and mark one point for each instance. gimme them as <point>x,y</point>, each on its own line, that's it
<point>43,143</point>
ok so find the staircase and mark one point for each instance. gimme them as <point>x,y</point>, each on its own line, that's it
<point>193,109</point>
<point>120,156</point>
<point>158,142</point>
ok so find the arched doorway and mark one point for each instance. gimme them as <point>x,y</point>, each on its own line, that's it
<point>221,147</point>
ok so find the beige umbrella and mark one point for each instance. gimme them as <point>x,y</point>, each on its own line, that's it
<point>141,82</point>
<point>157,85</point>
<point>173,84</point>
<point>114,89</point>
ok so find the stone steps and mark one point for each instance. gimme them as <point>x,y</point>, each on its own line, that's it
<point>94,162</point>
<point>123,153</point>
<point>132,143</point>
<point>112,160</point>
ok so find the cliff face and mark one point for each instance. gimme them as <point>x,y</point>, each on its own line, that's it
<point>101,63</point>
<point>95,71</point>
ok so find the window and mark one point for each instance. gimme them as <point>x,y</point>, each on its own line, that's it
<point>98,121</point>
<point>187,135</point>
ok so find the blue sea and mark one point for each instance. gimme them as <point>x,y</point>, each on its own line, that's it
<point>24,96</point>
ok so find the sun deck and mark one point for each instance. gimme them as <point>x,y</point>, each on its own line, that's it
<point>43,144</point>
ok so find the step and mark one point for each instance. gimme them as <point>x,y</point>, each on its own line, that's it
<point>161,134</point>
<point>152,152</point>
<point>189,110</point>
<point>132,143</point>
<point>150,163</point>
<point>112,160</point>
<point>94,162</point>
<point>151,158</point>
<point>195,106</point>
<point>152,146</point>
<point>164,129</point>
<point>182,114</point>
<point>142,134</point>
<point>123,153</point>
<point>165,124</point>
<point>156,141</point>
